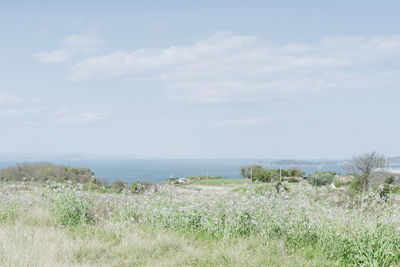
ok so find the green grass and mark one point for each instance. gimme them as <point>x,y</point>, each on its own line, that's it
<point>245,225</point>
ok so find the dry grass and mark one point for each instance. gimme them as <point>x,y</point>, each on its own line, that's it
<point>61,225</point>
<point>34,239</point>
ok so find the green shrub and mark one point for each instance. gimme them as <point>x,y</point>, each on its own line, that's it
<point>258,173</point>
<point>266,175</point>
<point>293,172</point>
<point>249,171</point>
<point>292,180</point>
<point>141,187</point>
<point>339,182</point>
<point>119,186</point>
<point>390,179</point>
<point>384,191</point>
<point>395,189</point>
<point>43,171</point>
<point>8,210</point>
<point>321,178</point>
<point>72,209</point>
<point>355,186</point>
<point>92,187</point>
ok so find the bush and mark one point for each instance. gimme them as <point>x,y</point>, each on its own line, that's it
<point>355,186</point>
<point>384,191</point>
<point>341,181</point>
<point>292,180</point>
<point>396,189</point>
<point>141,187</point>
<point>8,210</point>
<point>321,178</point>
<point>96,187</point>
<point>292,172</point>
<point>44,171</point>
<point>267,175</point>
<point>119,186</point>
<point>72,209</point>
<point>247,171</point>
<point>390,179</point>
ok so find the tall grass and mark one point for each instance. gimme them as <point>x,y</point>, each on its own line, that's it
<point>316,226</point>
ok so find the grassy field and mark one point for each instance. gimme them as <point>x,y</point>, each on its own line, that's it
<point>244,225</point>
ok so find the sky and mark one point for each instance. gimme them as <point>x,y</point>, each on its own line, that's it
<point>200,79</point>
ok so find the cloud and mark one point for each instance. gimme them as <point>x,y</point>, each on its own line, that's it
<point>34,112</point>
<point>85,43</point>
<point>13,112</point>
<point>55,56</point>
<point>227,67</point>
<point>5,99</point>
<point>61,111</point>
<point>13,106</point>
<point>83,118</point>
<point>242,122</point>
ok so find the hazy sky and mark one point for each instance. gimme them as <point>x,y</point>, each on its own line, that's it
<point>211,79</point>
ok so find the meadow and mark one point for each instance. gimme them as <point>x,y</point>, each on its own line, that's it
<point>240,224</point>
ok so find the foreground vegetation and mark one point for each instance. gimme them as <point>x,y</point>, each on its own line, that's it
<point>64,224</point>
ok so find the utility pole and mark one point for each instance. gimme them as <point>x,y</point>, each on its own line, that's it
<point>280,173</point>
<point>251,172</point>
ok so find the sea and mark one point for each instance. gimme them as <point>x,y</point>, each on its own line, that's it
<point>158,170</point>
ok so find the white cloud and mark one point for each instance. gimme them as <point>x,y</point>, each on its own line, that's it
<point>35,112</point>
<point>20,111</point>
<point>5,99</point>
<point>55,56</point>
<point>242,122</point>
<point>61,111</point>
<point>227,67</point>
<point>147,60</point>
<point>83,118</point>
<point>86,43</point>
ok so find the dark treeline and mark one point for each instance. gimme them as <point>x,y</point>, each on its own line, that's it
<point>44,171</point>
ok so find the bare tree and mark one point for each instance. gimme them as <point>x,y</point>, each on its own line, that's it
<point>363,166</point>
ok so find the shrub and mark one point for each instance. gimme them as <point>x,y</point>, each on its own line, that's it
<point>341,181</point>
<point>44,171</point>
<point>72,209</point>
<point>8,210</point>
<point>292,180</point>
<point>119,186</point>
<point>395,189</point>
<point>96,187</point>
<point>292,172</point>
<point>384,191</point>
<point>247,171</point>
<point>266,175</point>
<point>321,178</point>
<point>258,173</point>
<point>141,187</point>
<point>355,186</point>
<point>390,179</point>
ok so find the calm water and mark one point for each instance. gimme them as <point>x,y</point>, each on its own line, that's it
<point>160,170</point>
